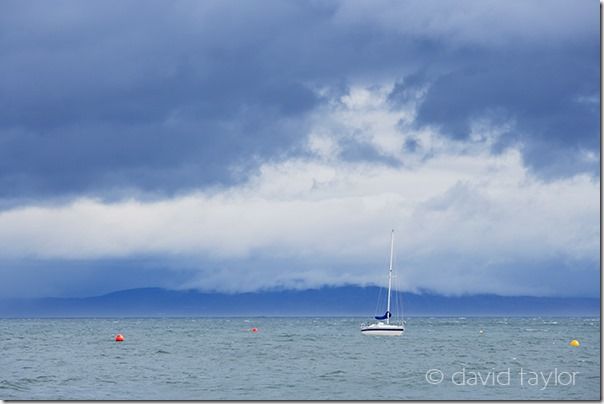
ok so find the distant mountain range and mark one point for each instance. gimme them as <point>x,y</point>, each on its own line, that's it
<point>336,301</point>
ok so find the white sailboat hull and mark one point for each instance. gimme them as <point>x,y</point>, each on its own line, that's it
<point>389,333</point>
<point>391,330</point>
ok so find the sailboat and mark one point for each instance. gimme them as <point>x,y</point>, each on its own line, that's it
<point>381,327</point>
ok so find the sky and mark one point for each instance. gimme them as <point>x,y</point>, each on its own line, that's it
<point>249,145</point>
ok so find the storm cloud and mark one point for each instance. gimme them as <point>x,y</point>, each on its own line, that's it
<point>202,142</point>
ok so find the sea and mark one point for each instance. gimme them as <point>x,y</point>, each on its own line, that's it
<point>299,358</point>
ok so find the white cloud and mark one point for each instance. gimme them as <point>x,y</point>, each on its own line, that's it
<point>464,217</point>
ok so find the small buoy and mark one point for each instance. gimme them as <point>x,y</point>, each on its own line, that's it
<point>254,329</point>
<point>574,343</point>
<point>119,338</point>
<point>481,332</point>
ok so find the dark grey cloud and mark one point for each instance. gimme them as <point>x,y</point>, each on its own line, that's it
<point>101,97</point>
<point>550,95</point>
<point>112,98</point>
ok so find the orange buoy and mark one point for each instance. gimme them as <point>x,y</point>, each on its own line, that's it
<point>254,329</point>
<point>119,338</point>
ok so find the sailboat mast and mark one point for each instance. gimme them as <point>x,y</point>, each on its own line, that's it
<point>390,276</point>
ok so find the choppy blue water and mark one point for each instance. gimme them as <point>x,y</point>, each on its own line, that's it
<point>298,358</point>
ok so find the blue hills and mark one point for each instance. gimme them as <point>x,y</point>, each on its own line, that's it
<point>326,301</point>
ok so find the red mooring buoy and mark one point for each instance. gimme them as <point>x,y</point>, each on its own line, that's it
<point>119,338</point>
<point>254,329</point>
